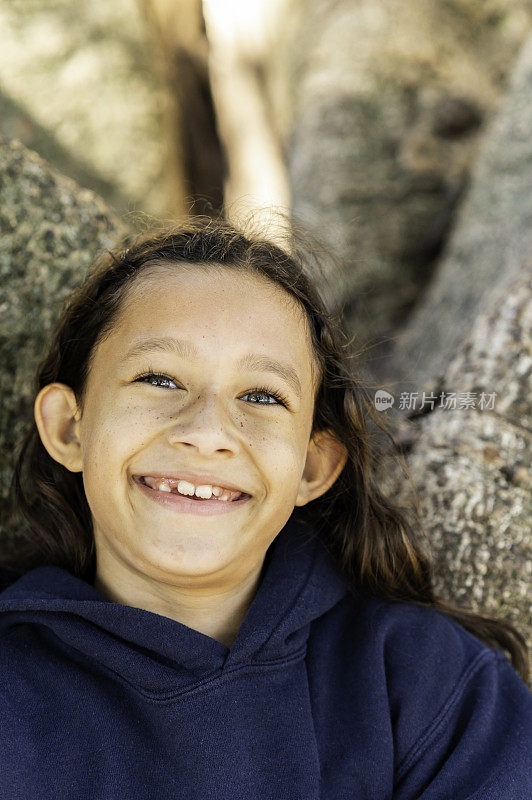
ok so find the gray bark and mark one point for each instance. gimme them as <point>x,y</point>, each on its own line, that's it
<point>389,98</point>
<point>51,230</point>
<point>493,237</point>
<point>472,466</point>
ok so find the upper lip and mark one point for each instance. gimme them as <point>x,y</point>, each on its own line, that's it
<point>196,478</point>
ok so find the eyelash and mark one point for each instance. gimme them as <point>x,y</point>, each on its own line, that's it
<point>282,400</point>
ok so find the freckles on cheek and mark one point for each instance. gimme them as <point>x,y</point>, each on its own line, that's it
<point>132,419</point>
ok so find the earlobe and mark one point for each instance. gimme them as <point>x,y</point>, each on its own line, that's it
<point>326,458</point>
<point>57,419</point>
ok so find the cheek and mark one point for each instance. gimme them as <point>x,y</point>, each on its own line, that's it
<point>281,454</point>
<point>112,433</point>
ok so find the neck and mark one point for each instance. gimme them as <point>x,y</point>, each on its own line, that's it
<point>217,613</point>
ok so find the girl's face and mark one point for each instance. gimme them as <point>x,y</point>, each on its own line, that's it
<point>197,415</point>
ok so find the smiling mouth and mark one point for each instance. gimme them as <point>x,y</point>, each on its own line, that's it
<point>225,498</point>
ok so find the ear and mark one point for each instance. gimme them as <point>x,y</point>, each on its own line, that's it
<point>57,417</point>
<point>326,457</point>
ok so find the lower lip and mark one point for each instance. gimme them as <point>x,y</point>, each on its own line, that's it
<point>178,502</point>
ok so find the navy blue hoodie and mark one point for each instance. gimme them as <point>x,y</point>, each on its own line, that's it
<point>323,694</point>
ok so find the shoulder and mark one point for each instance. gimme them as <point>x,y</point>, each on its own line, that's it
<point>451,699</point>
<point>411,642</point>
<point>407,636</point>
<point>417,639</point>
<point>428,659</point>
<point>414,654</point>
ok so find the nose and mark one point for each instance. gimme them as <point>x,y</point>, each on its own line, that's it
<point>206,426</point>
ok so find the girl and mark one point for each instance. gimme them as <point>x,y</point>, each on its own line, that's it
<point>214,600</point>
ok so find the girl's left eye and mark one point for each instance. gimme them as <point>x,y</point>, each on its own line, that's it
<point>152,377</point>
<point>147,378</point>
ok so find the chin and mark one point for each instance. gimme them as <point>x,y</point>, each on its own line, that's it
<point>191,555</point>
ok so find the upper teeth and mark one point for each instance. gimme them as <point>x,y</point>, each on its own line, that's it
<point>205,491</point>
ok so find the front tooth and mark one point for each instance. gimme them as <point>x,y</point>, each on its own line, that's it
<point>184,487</point>
<point>204,491</point>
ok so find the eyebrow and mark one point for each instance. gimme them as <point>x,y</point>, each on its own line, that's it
<point>187,350</point>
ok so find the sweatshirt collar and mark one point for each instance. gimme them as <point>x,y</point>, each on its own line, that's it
<point>300,583</point>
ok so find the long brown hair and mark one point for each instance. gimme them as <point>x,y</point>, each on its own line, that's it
<point>373,541</point>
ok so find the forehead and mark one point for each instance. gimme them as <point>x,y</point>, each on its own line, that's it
<point>220,307</point>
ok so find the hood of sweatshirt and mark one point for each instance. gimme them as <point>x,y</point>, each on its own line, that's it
<point>300,582</point>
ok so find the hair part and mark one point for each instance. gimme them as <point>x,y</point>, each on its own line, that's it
<point>373,540</point>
